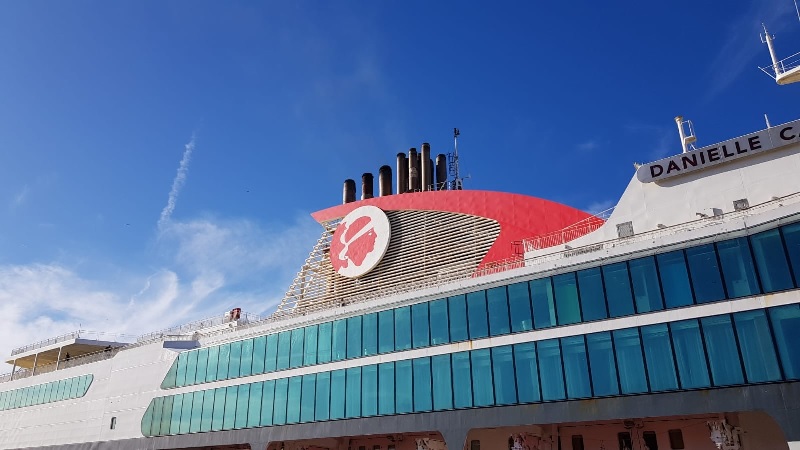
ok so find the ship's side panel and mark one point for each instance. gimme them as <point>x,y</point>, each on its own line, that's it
<point>121,387</point>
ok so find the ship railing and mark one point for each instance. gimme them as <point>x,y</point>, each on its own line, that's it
<point>77,334</point>
<point>783,66</point>
<point>74,361</point>
<point>568,233</point>
<point>191,327</point>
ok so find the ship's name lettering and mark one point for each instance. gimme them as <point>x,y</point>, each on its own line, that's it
<point>759,142</point>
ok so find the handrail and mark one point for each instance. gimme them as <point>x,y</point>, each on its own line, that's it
<point>77,334</point>
<point>196,325</point>
<point>568,233</point>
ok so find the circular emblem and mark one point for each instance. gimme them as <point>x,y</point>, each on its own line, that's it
<point>360,241</point>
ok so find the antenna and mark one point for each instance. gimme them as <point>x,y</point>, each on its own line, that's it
<point>456,183</point>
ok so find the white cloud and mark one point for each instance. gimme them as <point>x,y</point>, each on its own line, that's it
<point>177,183</point>
<point>206,267</point>
<point>599,206</point>
<point>20,198</point>
<point>587,146</point>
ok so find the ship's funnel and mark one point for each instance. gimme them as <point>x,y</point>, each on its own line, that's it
<point>413,170</point>
<point>425,159</point>
<point>441,172</point>
<point>366,186</point>
<point>402,173</point>
<point>349,191</point>
<point>385,181</point>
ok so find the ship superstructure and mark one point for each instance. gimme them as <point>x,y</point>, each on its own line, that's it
<point>432,318</point>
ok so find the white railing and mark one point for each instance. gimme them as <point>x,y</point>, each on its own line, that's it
<point>77,334</point>
<point>63,364</point>
<point>191,327</point>
<point>568,233</point>
<point>783,66</point>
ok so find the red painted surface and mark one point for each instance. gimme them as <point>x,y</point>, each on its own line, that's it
<point>519,216</point>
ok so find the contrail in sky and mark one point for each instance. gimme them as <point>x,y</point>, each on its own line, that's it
<point>177,183</point>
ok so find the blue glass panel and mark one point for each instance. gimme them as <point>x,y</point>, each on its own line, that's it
<point>791,236</point>
<point>786,325</point>
<point>235,361</point>
<point>618,289</point>
<point>565,288</point>
<point>147,418</point>
<point>231,392</point>
<point>268,402</point>
<point>706,279</point>
<point>755,341</point>
<point>310,346</point>
<point>440,333</point>
<point>246,368</point>
<point>324,342</point>
<point>307,398</point>
<point>457,308</point>
<point>462,380</point>
<point>279,404</point>
<point>601,359</point>
<point>186,413</point>
<point>254,403</point>
<point>646,288</point>
<point>218,415</point>
<point>224,362</point>
<point>593,297</point>
<point>675,279</point>
<point>197,412</point>
<point>527,372</point>
<point>296,352</point>
<point>420,330</point>
<point>370,334</point>
<point>352,404</point>
<point>337,394</point>
<point>551,374</point>
<point>723,356</point>
<point>270,360</point>
<point>630,363</point>
<point>180,377</point>
<point>402,328</point>
<point>284,349</point>
<point>482,392</point>
<point>442,382</point>
<point>175,419</point>
<point>386,388</point>
<point>505,387</point>
<point>191,367</point>
<point>519,305</point>
<point>158,410</point>
<point>544,308</point>
<point>323,396</point>
<point>576,367</point>
<point>369,390</point>
<point>689,354</point>
<point>476,315</point>
<point>403,383</point>
<point>339,347</point>
<point>242,402</point>
<point>770,256</point>
<point>293,399</point>
<point>737,267</point>
<point>208,410</point>
<point>423,395</point>
<point>658,355</point>
<point>354,337</point>
<point>497,304</point>
<point>386,331</point>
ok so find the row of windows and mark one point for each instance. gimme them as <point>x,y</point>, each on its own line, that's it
<point>700,274</point>
<point>732,349</point>
<point>53,391</point>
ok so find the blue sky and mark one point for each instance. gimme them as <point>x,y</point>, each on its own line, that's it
<point>280,102</point>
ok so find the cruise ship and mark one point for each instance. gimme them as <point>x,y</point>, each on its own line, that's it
<point>430,317</point>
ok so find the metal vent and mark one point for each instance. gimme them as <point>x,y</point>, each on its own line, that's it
<point>739,205</point>
<point>625,229</point>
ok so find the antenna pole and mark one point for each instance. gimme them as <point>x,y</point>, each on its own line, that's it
<point>768,40</point>
<point>457,183</point>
